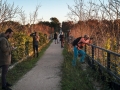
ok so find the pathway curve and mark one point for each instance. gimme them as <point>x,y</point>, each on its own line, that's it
<point>46,74</point>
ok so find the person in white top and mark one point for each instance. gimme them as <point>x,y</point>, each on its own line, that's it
<point>58,37</point>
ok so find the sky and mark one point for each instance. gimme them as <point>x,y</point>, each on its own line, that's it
<point>48,8</point>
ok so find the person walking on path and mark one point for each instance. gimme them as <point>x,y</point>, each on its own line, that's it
<point>46,74</point>
<point>62,39</point>
<point>55,38</point>
<point>5,56</point>
<point>58,37</point>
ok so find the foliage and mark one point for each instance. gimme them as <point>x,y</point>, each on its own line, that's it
<point>107,44</point>
<point>45,23</point>
<point>54,19</point>
<point>19,40</point>
<point>22,68</point>
<point>55,24</point>
<point>43,38</point>
<point>67,26</point>
<point>23,43</point>
<point>74,78</point>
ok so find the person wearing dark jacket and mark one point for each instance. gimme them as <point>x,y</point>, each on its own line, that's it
<point>78,49</point>
<point>35,43</point>
<point>5,56</point>
<point>55,37</point>
<point>62,39</point>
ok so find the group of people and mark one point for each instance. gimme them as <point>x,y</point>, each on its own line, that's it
<point>59,37</point>
<point>6,49</point>
<point>78,48</point>
<point>5,54</point>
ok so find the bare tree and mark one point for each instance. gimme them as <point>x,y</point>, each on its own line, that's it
<point>33,17</point>
<point>82,12</point>
<point>7,11</point>
<point>77,11</point>
<point>22,17</point>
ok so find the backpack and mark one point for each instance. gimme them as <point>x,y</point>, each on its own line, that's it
<point>75,42</point>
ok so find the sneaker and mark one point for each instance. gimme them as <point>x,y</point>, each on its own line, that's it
<point>6,88</point>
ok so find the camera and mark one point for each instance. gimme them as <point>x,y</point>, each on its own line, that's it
<point>32,34</point>
<point>91,38</point>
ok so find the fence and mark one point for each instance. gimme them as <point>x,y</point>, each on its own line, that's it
<point>107,63</point>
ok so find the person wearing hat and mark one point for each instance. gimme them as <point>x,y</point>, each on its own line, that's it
<point>78,49</point>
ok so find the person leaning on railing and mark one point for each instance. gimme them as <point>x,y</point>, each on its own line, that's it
<point>78,49</point>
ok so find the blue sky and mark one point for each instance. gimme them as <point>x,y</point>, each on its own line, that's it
<point>48,9</point>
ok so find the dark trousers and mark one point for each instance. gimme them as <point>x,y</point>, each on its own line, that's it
<point>35,49</point>
<point>4,73</point>
<point>56,40</point>
<point>62,43</point>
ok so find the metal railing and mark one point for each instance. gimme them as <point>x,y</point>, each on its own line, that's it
<point>105,61</point>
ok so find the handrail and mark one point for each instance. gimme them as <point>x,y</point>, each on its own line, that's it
<point>104,49</point>
<point>105,60</point>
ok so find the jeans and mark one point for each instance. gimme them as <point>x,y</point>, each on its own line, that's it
<point>75,55</point>
<point>4,73</point>
<point>35,49</point>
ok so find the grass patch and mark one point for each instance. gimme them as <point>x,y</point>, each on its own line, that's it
<point>22,68</point>
<point>74,78</point>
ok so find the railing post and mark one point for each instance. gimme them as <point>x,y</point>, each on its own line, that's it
<point>92,55</point>
<point>108,60</point>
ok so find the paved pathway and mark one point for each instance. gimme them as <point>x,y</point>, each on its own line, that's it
<point>46,74</point>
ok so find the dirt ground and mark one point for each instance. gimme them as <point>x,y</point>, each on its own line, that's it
<point>46,74</point>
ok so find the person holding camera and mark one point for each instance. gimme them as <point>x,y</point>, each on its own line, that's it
<point>35,43</point>
<point>78,49</point>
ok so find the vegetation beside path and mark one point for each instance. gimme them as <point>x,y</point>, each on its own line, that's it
<point>22,68</point>
<point>77,78</point>
<point>74,78</point>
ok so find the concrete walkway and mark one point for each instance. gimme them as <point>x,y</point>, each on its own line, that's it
<point>46,74</point>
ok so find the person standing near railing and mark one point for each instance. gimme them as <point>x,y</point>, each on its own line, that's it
<point>5,56</point>
<point>78,49</point>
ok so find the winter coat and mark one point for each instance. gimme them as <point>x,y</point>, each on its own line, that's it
<point>62,37</point>
<point>5,51</point>
<point>55,36</point>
